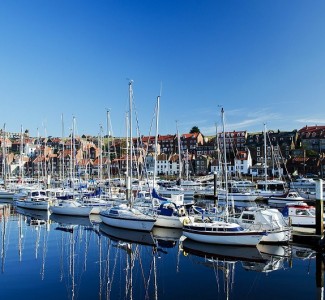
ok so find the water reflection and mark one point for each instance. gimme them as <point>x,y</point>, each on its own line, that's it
<point>81,258</point>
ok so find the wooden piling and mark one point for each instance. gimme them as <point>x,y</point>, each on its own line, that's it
<point>319,208</point>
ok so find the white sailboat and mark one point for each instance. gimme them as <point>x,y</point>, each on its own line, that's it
<point>72,206</point>
<point>126,216</point>
<point>217,231</point>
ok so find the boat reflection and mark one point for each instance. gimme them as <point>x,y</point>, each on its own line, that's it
<point>303,253</point>
<point>34,217</point>
<point>166,237</point>
<point>275,258</point>
<point>263,258</point>
<point>71,220</point>
<point>132,236</point>
<point>224,252</point>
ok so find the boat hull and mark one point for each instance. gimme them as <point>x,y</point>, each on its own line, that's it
<point>71,211</point>
<point>141,224</point>
<point>168,222</point>
<point>38,205</point>
<point>245,238</point>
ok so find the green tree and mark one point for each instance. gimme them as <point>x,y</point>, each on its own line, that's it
<point>195,129</point>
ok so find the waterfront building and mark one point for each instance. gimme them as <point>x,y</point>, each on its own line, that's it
<point>313,138</point>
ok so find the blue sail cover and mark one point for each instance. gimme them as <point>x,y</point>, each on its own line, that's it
<point>157,196</point>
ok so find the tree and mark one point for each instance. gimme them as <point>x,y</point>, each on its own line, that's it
<point>195,129</point>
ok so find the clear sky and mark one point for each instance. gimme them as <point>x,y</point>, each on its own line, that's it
<point>262,60</point>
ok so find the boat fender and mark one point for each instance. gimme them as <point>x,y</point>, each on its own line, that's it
<point>181,211</point>
<point>186,221</point>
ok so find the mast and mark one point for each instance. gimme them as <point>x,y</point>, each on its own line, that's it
<point>62,158</point>
<point>4,164</point>
<point>179,154</point>
<point>130,136</point>
<point>21,163</point>
<point>73,153</point>
<point>218,151</point>
<point>225,161</point>
<point>108,148</point>
<point>156,143</point>
<point>101,154</point>
<point>39,156</point>
<point>129,148</point>
<point>265,163</point>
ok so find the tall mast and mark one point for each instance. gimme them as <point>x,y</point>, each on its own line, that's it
<point>156,143</point>
<point>265,162</point>
<point>129,144</point>
<point>101,154</point>
<point>179,153</point>
<point>4,164</point>
<point>39,155</point>
<point>62,158</point>
<point>130,128</point>
<point>108,148</point>
<point>73,153</point>
<point>21,163</point>
<point>225,160</point>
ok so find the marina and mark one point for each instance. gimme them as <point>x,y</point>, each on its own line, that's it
<point>69,257</point>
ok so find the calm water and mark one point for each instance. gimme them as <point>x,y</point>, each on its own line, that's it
<point>77,258</point>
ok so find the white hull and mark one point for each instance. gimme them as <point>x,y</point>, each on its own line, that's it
<point>135,224</point>
<point>282,202</point>
<point>303,221</point>
<point>71,211</point>
<point>220,232</point>
<point>238,197</point>
<point>226,239</point>
<point>40,205</point>
<point>168,221</point>
<point>279,236</point>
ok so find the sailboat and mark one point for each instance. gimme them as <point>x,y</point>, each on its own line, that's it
<point>217,231</point>
<point>4,192</point>
<point>269,187</point>
<point>127,216</point>
<point>70,206</point>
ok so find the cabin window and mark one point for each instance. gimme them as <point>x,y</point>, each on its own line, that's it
<point>301,212</point>
<point>248,217</point>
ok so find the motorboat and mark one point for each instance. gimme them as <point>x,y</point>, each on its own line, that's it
<point>266,219</point>
<point>36,199</point>
<point>300,214</point>
<point>291,197</point>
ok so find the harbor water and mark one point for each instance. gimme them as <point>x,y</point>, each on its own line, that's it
<point>56,257</point>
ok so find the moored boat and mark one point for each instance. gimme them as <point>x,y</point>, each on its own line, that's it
<point>266,219</point>
<point>290,197</point>
<point>71,208</point>
<point>127,218</point>
<point>220,232</point>
<point>300,214</point>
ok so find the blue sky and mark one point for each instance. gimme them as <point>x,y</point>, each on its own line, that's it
<point>263,61</point>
